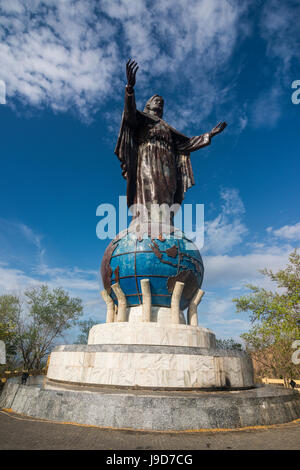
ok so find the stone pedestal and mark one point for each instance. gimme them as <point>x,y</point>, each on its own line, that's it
<point>152,376</point>
<point>153,355</point>
<point>151,368</point>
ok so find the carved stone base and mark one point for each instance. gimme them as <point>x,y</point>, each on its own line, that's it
<point>150,366</point>
<point>151,355</point>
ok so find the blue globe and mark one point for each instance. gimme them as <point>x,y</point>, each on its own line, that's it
<point>163,261</point>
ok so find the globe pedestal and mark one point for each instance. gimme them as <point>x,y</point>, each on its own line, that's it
<point>161,262</point>
<point>150,376</point>
<point>150,366</point>
<point>150,359</point>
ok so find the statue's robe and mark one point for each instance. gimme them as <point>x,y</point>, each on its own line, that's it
<point>155,158</point>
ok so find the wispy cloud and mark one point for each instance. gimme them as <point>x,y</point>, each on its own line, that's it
<point>236,271</point>
<point>218,314</point>
<point>57,54</point>
<point>280,32</point>
<point>227,229</point>
<point>17,240</point>
<point>267,108</point>
<point>288,232</point>
<point>226,274</point>
<point>69,54</point>
<point>23,265</point>
<point>226,277</point>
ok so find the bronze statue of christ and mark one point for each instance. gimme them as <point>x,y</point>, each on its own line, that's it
<point>155,158</point>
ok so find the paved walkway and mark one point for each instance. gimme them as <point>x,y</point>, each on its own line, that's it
<point>21,432</point>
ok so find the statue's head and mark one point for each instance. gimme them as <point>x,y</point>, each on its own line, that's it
<point>155,105</point>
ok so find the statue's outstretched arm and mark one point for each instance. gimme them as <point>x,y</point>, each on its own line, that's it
<point>195,143</point>
<point>130,106</point>
<point>218,129</point>
<point>131,69</point>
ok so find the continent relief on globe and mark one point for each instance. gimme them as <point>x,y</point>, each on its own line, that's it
<point>163,261</point>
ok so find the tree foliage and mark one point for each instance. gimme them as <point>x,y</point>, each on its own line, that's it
<point>275,316</point>
<point>37,321</point>
<point>85,327</point>
<point>228,344</point>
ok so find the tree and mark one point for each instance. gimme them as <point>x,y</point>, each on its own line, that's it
<point>275,316</point>
<point>37,322</point>
<point>229,343</point>
<point>85,327</point>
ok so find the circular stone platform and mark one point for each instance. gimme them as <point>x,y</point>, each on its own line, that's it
<point>150,410</point>
<point>152,334</point>
<point>151,355</point>
<point>150,366</point>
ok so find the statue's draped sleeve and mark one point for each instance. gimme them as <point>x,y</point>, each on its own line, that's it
<point>183,147</point>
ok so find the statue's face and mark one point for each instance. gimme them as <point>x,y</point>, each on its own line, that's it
<point>156,106</point>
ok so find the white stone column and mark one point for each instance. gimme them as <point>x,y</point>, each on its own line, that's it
<point>146,292</point>
<point>122,304</point>
<point>115,312</point>
<point>110,306</point>
<point>175,302</point>
<point>192,318</point>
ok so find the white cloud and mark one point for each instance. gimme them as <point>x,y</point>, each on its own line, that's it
<point>289,232</point>
<point>225,278</point>
<point>78,283</point>
<point>281,34</point>
<point>236,271</point>
<point>71,53</point>
<point>182,27</point>
<point>13,280</point>
<point>219,315</point>
<point>267,108</point>
<point>233,204</point>
<point>59,56</point>
<point>226,230</point>
<point>30,235</point>
<point>22,266</point>
<point>221,235</point>
<point>281,31</point>
<point>72,279</point>
<point>17,240</point>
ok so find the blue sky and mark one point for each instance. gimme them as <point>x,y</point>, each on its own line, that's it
<point>63,64</point>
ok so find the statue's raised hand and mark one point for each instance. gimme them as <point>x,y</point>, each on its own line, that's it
<point>219,128</point>
<point>131,69</point>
